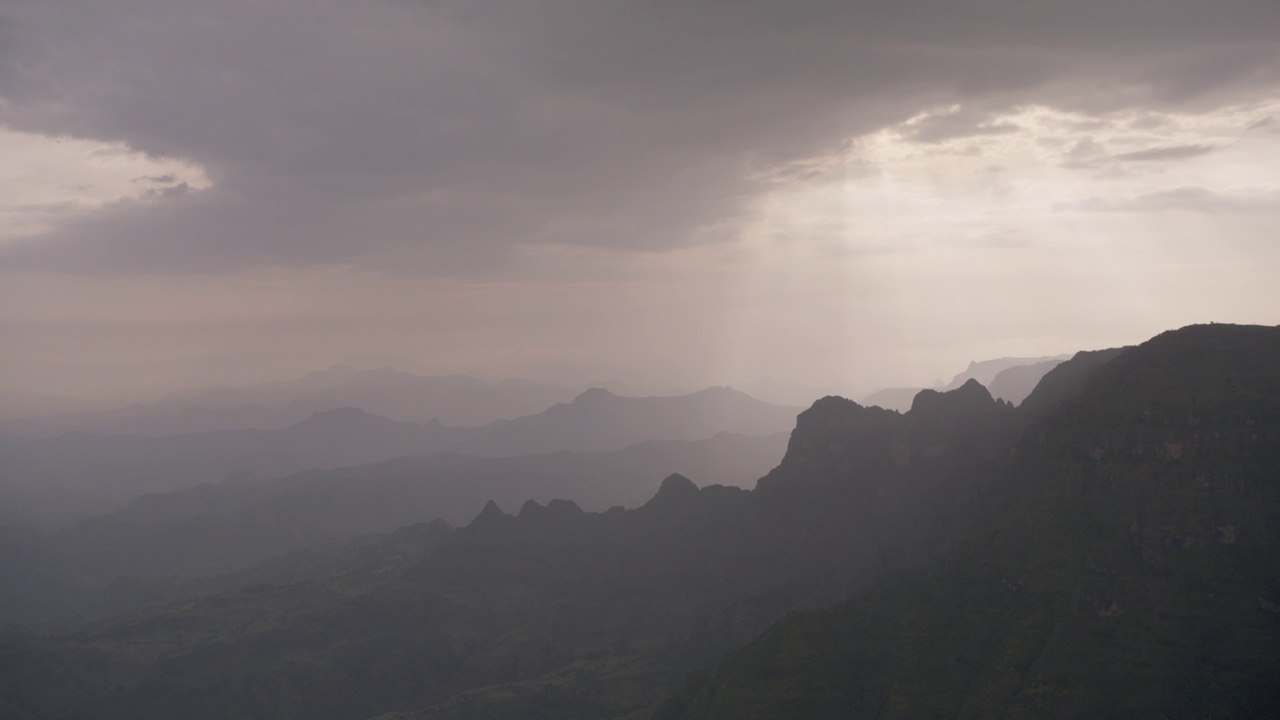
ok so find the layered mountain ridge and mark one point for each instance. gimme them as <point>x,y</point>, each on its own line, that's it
<point>1122,564</point>
<point>1106,549</point>
<point>51,481</point>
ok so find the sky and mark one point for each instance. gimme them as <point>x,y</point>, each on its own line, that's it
<point>795,198</point>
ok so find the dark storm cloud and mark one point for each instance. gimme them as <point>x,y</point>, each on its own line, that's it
<point>433,136</point>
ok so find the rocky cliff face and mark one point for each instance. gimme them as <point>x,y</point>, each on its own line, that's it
<point>1121,563</point>
<point>842,445</point>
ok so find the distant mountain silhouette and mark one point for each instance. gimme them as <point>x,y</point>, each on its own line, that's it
<point>228,526</point>
<point>54,480</point>
<point>597,420</point>
<point>451,400</point>
<point>158,421</point>
<point>1106,549</point>
<point>1010,378</point>
<point>892,398</point>
<point>1014,384</point>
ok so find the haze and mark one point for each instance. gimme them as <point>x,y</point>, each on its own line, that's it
<point>795,199</point>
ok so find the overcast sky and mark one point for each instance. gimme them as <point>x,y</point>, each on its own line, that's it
<point>835,195</point>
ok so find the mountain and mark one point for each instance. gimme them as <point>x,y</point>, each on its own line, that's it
<point>1128,569</point>
<point>1014,384</point>
<point>892,398</point>
<point>82,570</point>
<point>551,611</point>
<point>448,399</point>
<point>1010,378</point>
<point>160,421</point>
<point>597,420</point>
<point>54,480</point>
<point>387,494</point>
<point>451,400</point>
<point>986,371</point>
<point>1108,550</point>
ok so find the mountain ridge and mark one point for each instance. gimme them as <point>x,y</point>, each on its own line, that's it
<point>53,480</point>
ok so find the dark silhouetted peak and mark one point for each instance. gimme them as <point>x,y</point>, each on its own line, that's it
<point>553,510</point>
<point>563,507</point>
<point>834,414</point>
<point>676,490</point>
<point>962,423</point>
<point>1195,365</point>
<point>490,515</point>
<point>1065,382</point>
<point>835,431</point>
<point>970,399</point>
<point>840,444</point>
<point>1203,359</point>
<point>830,406</point>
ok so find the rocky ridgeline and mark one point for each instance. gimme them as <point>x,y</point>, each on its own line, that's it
<point>1021,562</point>
<point>1121,562</point>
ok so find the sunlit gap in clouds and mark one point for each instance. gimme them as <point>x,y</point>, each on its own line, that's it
<point>45,180</point>
<point>976,230</point>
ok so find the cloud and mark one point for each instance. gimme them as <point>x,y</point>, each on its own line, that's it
<point>1176,152</point>
<point>434,137</point>
<point>956,122</point>
<point>1191,198</point>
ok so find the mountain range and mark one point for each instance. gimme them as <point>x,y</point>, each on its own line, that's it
<point>451,400</point>
<point>1105,549</point>
<point>109,562</point>
<point>53,480</point>
<point>1010,378</point>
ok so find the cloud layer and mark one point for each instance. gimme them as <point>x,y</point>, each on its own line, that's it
<point>730,154</point>
<point>441,134</point>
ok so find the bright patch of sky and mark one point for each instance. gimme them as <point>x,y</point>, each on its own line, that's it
<point>45,179</point>
<point>959,234</point>
<point>1027,177</point>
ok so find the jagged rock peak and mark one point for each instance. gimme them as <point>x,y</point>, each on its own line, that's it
<point>553,508</point>
<point>833,410</point>
<point>971,397</point>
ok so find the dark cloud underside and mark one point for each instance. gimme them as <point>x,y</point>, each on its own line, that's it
<point>433,137</point>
